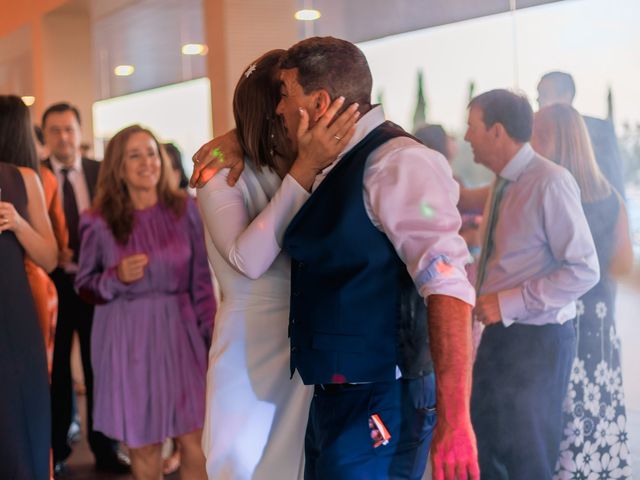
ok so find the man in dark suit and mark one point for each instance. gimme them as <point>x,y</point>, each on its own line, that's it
<point>77,178</point>
<point>559,87</point>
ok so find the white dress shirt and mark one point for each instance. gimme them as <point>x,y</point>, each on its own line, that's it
<point>411,196</point>
<point>77,179</point>
<point>543,256</point>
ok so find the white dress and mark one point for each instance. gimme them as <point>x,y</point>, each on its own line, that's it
<point>255,414</point>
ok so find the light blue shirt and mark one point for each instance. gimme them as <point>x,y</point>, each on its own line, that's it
<point>543,256</point>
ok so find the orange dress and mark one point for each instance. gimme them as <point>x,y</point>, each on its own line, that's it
<point>43,290</point>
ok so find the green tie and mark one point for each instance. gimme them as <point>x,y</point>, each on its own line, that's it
<point>492,219</point>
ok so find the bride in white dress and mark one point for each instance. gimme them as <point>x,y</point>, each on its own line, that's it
<point>256,414</point>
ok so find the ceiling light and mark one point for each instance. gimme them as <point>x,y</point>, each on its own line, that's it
<point>307,14</point>
<point>194,49</point>
<point>28,100</point>
<point>124,70</point>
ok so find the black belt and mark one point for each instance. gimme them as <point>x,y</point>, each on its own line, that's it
<point>339,387</point>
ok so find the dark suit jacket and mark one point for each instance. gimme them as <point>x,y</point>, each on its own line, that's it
<point>90,168</point>
<point>605,148</point>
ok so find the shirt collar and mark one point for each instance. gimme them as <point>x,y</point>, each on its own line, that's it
<point>514,168</point>
<point>58,165</point>
<point>369,121</point>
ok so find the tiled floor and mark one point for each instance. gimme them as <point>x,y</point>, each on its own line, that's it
<point>80,465</point>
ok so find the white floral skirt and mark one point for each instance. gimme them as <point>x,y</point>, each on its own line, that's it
<point>595,441</point>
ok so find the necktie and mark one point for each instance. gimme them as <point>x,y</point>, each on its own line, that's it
<point>70,213</point>
<point>491,220</point>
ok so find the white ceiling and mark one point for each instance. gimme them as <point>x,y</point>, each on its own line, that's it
<point>149,33</point>
<point>362,20</point>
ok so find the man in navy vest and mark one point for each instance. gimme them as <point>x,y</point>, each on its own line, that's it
<point>381,220</point>
<point>374,242</point>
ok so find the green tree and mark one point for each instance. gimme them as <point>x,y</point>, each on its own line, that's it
<point>420,113</point>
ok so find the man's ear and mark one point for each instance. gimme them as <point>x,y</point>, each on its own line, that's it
<point>321,103</point>
<point>498,131</point>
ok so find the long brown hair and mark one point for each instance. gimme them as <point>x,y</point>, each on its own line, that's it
<point>112,199</point>
<point>261,132</point>
<point>561,135</point>
<point>17,145</point>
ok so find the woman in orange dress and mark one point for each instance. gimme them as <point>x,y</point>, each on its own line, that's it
<point>43,290</point>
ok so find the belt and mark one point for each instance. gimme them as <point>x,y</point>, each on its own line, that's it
<point>339,387</point>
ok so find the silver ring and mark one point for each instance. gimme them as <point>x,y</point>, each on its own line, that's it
<point>337,137</point>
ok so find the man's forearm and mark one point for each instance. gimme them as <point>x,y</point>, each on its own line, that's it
<point>450,341</point>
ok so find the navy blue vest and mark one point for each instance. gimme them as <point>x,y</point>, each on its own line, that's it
<point>347,281</point>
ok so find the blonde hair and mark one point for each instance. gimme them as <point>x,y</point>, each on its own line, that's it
<point>561,135</point>
<point>112,200</point>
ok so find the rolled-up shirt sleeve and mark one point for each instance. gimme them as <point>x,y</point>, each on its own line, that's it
<point>410,195</point>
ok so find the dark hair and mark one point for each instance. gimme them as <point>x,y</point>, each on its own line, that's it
<point>434,137</point>
<point>112,200</point>
<point>60,108</point>
<point>39,135</point>
<point>332,64</point>
<point>175,157</point>
<point>261,132</point>
<point>509,109</point>
<point>16,138</point>
<point>562,82</point>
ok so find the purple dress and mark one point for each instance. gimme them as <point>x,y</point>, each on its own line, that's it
<point>150,338</point>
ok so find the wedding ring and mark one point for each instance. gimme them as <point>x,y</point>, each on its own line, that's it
<point>337,137</point>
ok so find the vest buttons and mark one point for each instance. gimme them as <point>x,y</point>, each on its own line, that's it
<point>293,321</point>
<point>293,349</point>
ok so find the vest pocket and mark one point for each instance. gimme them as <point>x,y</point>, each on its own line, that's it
<point>338,343</point>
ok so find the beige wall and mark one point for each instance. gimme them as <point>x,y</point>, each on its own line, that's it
<point>46,52</point>
<point>63,65</point>
<point>55,61</point>
<point>237,33</point>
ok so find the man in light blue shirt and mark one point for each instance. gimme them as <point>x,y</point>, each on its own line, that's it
<point>538,258</point>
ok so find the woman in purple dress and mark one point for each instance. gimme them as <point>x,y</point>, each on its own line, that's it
<point>143,263</point>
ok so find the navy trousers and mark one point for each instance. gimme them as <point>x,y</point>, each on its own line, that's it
<point>520,380</point>
<point>338,443</point>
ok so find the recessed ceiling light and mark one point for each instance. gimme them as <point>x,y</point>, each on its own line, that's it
<point>124,70</point>
<point>28,100</point>
<point>307,14</point>
<point>194,49</point>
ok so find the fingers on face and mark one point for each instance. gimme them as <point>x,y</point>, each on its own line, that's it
<point>344,124</point>
<point>303,124</point>
<point>331,111</point>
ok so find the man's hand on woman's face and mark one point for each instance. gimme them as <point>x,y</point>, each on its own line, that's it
<point>221,152</point>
